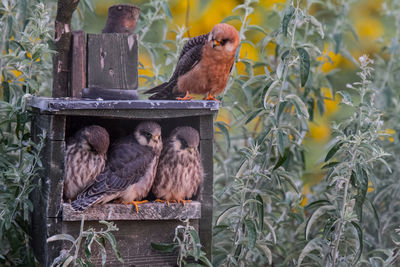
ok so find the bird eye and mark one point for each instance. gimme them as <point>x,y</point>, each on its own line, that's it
<point>184,143</point>
<point>224,41</point>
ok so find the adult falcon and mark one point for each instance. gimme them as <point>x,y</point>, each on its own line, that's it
<point>130,169</point>
<point>179,172</point>
<point>84,159</point>
<point>203,66</point>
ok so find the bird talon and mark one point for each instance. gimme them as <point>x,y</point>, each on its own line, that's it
<point>186,97</point>
<point>211,97</point>
<point>183,201</point>
<point>136,204</point>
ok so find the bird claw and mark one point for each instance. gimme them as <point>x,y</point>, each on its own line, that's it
<point>184,201</point>
<point>186,97</point>
<point>210,97</point>
<point>136,204</point>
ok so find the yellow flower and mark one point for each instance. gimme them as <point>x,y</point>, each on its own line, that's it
<point>368,28</point>
<point>389,132</point>
<point>331,104</point>
<point>320,132</point>
<point>330,60</point>
<point>370,187</point>
<point>303,201</point>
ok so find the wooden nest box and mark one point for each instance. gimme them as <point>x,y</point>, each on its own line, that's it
<point>101,62</point>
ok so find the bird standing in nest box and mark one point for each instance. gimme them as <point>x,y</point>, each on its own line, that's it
<point>130,169</point>
<point>179,172</point>
<point>203,66</point>
<point>84,159</point>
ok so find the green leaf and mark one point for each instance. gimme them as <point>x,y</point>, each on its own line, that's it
<point>230,18</point>
<point>251,233</point>
<point>286,19</point>
<point>61,237</point>
<point>267,252</point>
<point>315,244</point>
<point>304,65</point>
<point>166,9</point>
<point>315,216</point>
<point>102,248</point>
<point>337,37</point>
<point>196,243</point>
<point>225,214</point>
<point>164,247</point>
<point>267,89</point>
<point>281,142</point>
<point>253,115</point>
<point>330,165</point>
<point>223,128</point>
<point>360,242</point>
<point>260,211</point>
<point>333,150</point>
<point>299,105</point>
<point>88,243</point>
<point>282,159</point>
<point>110,237</point>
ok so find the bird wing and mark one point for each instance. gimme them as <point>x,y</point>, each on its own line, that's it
<point>189,57</point>
<point>128,162</point>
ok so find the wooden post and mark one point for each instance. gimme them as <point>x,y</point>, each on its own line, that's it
<point>62,41</point>
<point>78,64</point>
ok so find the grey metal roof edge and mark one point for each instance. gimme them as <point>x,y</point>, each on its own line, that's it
<point>58,104</point>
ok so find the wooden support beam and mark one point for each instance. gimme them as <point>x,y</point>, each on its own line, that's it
<point>62,42</point>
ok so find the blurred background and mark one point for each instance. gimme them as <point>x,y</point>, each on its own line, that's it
<point>199,16</point>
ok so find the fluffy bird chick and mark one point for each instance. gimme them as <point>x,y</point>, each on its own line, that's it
<point>84,159</point>
<point>130,169</point>
<point>179,172</point>
<point>203,66</point>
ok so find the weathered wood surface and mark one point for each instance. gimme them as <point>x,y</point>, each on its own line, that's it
<point>110,94</point>
<point>62,43</point>
<point>78,64</point>
<point>134,240</point>
<point>147,211</point>
<point>121,19</point>
<point>113,60</point>
<point>55,105</point>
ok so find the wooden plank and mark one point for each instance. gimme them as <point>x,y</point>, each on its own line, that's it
<point>110,94</point>
<point>113,60</point>
<point>53,126</point>
<point>206,127</point>
<point>147,211</point>
<point>50,184</point>
<point>134,240</point>
<point>206,195</point>
<point>78,64</point>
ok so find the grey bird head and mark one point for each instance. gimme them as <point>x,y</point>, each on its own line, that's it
<point>185,139</point>
<point>148,133</point>
<point>94,138</point>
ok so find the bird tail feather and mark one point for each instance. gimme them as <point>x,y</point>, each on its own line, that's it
<point>162,91</point>
<point>82,204</point>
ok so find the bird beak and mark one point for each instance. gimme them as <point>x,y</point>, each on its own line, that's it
<point>191,149</point>
<point>216,43</point>
<point>156,138</point>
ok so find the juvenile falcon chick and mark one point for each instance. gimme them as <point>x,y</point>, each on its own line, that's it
<point>203,66</point>
<point>84,159</point>
<point>130,169</point>
<point>179,172</point>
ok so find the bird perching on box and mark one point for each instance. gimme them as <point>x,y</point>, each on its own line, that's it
<point>203,66</point>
